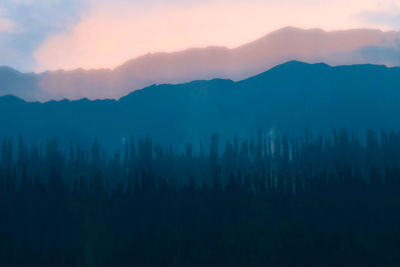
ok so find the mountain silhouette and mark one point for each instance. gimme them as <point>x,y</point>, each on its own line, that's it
<point>335,48</point>
<point>285,99</point>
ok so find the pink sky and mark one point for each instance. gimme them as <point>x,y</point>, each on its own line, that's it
<point>109,32</point>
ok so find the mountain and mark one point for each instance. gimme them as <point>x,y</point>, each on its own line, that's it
<point>335,48</point>
<point>285,99</point>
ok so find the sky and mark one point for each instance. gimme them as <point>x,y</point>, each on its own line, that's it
<point>40,35</point>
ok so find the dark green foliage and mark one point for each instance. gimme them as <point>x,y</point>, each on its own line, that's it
<point>264,202</point>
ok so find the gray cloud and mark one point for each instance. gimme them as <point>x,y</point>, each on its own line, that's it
<point>389,56</point>
<point>34,21</point>
<point>383,18</point>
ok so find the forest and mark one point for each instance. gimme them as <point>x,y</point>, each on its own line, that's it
<point>269,201</point>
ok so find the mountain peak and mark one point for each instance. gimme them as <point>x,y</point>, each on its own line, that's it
<point>292,66</point>
<point>287,98</point>
<point>6,69</point>
<point>295,29</point>
<point>11,99</point>
<point>348,47</point>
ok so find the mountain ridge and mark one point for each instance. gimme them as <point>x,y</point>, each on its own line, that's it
<point>335,48</point>
<point>267,72</point>
<point>285,99</point>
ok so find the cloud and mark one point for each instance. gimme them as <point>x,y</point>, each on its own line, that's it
<point>389,56</point>
<point>58,34</point>
<point>382,18</point>
<point>6,25</point>
<point>385,15</point>
<point>115,32</point>
<point>25,24</point>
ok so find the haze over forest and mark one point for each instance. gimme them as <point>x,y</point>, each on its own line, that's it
<point>200,133</point>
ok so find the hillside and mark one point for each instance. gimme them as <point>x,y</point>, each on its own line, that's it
<point>286,99</point>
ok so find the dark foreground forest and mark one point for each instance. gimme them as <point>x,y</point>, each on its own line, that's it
<point>315,201</point>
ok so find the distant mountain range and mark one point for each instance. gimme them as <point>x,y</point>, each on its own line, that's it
<point>285,99</point>
<point>334,48</point>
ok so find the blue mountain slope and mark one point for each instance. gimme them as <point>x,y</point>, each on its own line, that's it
<point>285,99</point>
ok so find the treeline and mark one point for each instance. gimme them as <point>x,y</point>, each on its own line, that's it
<point>312,201</point>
